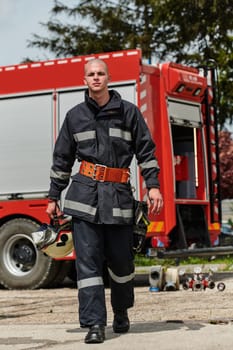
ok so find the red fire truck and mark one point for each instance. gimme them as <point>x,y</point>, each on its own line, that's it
<point>178,105</point>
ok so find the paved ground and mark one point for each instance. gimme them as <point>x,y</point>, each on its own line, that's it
<point>180,320</point>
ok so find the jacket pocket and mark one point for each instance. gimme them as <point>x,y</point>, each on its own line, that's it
<point>82,190</point>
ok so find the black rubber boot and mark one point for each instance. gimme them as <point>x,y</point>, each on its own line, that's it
<point>95,335</point>
<point>121,322</point>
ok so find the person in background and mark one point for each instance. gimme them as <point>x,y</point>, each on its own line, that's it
<point>103,133</point>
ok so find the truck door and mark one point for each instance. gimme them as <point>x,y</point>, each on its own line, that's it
<point>25,143</point>
<point>191,183</point>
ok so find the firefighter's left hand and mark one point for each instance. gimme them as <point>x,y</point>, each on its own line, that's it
<point>53,209</point>
<point>155,201</point>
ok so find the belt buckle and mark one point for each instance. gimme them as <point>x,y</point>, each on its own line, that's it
<point>95,170</point>
<point>129,174</point>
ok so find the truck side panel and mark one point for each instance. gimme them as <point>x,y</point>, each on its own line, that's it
<point>26,143</point>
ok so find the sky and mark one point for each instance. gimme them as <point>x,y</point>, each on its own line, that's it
<point>19,19</point>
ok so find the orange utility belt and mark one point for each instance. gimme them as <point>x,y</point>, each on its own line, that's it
<point>103,173</point>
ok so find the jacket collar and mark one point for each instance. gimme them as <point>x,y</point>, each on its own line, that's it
<point>112,107</point>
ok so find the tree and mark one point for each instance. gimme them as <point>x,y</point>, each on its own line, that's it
<point>190,32</point>
<point>197,32</point>
<point>226,164</point>
<point>97,27</point>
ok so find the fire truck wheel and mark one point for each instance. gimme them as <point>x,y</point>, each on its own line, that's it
<point>72,274</point>
<point>63,272</point>
<point>22,266</point>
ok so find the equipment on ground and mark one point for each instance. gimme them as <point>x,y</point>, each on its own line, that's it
<point>199,281</point>
<point>161,279</point>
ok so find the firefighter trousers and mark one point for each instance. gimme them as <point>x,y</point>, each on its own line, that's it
<point>94,245</point>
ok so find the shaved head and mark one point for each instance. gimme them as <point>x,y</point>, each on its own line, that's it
<point>96,77</point>
<point>96,61</point>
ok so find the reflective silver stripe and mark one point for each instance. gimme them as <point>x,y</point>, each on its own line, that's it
<point>125,135</point>
<point>123,279</point>
<point>85,135</point>
<point>90,282</point>
<point>151,164</point>
<point>59,175</point>
<point>85,208</point>
<point>123,213</point>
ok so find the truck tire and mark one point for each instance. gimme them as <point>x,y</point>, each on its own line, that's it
<point>72,274</point>
<point>62,273</point>
<point>22,266</point>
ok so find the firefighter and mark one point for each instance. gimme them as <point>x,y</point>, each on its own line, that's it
<point>103,133</point>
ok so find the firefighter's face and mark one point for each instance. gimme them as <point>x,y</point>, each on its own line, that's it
<point>96,76</point>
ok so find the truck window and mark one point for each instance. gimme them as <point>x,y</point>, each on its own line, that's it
<point>185,165</point>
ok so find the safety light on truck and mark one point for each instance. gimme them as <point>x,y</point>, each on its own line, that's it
<point>197,92</point>
<point>180,88</point>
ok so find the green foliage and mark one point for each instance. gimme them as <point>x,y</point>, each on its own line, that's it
<point>196,33</point>
<point>230,222</point>
<point>190,32</point>
<point>95,26</point>
<point>227,260</point>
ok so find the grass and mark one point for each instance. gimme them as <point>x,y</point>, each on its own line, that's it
<point>142,260</point>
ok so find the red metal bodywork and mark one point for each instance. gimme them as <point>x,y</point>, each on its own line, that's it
<point>30,208</point>
<point>154,85</point>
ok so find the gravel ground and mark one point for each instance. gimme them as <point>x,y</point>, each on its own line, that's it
<point>59,306</point>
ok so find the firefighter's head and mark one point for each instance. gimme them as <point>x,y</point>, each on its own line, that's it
<point>96,77</point>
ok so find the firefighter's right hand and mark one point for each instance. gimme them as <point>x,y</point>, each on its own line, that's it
<point>53,209</point>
